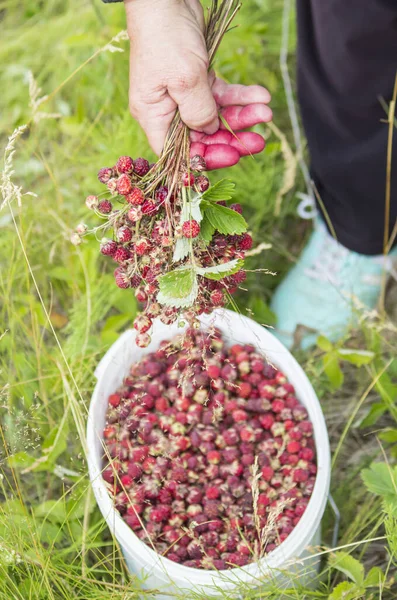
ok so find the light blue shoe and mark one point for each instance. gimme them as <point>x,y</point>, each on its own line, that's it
<point>326,288</point>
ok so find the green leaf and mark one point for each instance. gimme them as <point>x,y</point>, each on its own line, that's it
<point>225,220</point>
<point>324,344</point>
<point>261,312</point>
<point>206,230</point>
<point>222,190</point>
<point>356,357</point>
<point>346,591</point>
<point>389,435</point>
<point>178,288</point>
<point>54,510</point>
<point>333,370</point>
<point>181,249</point>
<point>380,479</point>
<point>350,566</point>
<point>375,412</point>
<point>20,460</point>
<point>375,577</point>
<point>222,270</point>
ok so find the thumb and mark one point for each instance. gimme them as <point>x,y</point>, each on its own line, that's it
<point>196,102</point>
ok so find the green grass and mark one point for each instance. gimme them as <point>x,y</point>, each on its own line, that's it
<point>54,543</point>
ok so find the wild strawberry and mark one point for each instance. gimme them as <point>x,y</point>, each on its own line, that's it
<point>239,415</point>
<point>142,323</point>
<point>197,163</point>
<point>293,447</point>
<point>140,294</point>
<point>202,183</point>
<point>124,185</point>
<point>142,246</point>
<point>237,208</point>
<point>306,454</point>
<point>141,166</point>
<point>143,340</point>
<point>149,207</point>
<point>161,194</point>
<point>245,242</point>
<point>91,202</point>
<point>267,473</point>
<point>188,179</point>
<point>134,214</point>
<point>135,197</point>
<point>135,280</point>
<point>125,164</point>
<point>105,174</point>
<point>105,207</point>
<point>122,281</point>
<point>190,229</point>
<point>300,475</point>
<point>121,255</point>
<point>124,234</point>
<point>244,389</point>
<point>213,492</point>
<point>160,513</point>
<point>238,277</point>
<point>217,298</point>
<point>214,457</point>
<point>108,247</point>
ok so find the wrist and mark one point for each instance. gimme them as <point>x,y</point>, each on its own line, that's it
<point>140,12</point>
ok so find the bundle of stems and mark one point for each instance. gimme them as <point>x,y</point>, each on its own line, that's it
<point>175,155</point>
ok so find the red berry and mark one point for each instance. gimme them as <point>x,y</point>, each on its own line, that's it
<point>149,207</point>
<point>267,473</point>
<point>213,492</point>
<point>190,229</point>
<point>142,246</point>
<point>105,207</point>
<point>197,163</point>
<point>238,277</point>
<point>108,247</point>
<point>245,242</point>
<point>237,208</point>
<point>217,298</point>
<point>124,234</point>
<point>135,197</point>
<point>141,166</point>
<point>124,185</point>
<point>202,183</point>
<point>300,475</point>
<point>161,194</point>
<point>114,400</point>
<point>121,278</point>
<point>239,415</point>
<point>143,340</point>
<point>244,389</point>
<point>105,174</point>
<point>142,323</point>
<point>213,457</point>
<point>125,164</point>
<point>293,447</point>
<point>188,179</point>
<point>121,255</point>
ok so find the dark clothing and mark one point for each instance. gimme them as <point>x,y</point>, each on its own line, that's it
<point>347,63</point>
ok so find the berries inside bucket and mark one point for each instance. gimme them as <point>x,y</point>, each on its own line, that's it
<point>209,455</point>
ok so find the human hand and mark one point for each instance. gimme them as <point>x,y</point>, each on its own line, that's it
<point>169,70</point>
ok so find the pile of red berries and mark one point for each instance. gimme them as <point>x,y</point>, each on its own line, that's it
<point>209,454</point>
<point>144,215</point>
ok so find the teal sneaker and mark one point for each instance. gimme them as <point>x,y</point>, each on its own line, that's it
<point>322,292</point>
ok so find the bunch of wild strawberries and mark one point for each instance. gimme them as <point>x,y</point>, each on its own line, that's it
<point>145,220</point>
<point>208,453</point>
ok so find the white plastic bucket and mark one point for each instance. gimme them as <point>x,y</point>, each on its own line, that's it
<point>284,564</point>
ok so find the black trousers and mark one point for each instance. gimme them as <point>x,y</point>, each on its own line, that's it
<point>347,65</point>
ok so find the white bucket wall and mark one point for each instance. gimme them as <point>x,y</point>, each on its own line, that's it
<point>161,574</point>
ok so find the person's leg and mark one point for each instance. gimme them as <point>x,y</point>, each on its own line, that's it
<point>347,63</point>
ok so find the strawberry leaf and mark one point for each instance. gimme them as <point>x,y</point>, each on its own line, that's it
<point>222,270</point>
<point>222,190</point>
<point>225,220</point>
<point>178,288</point>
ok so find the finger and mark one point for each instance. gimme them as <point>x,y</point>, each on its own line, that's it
<point>220,156</point>
<point>242,117</point>
<point>155,120</point>
<point>248,142</point>
<point>196,102</point>
<point>227,94</point>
